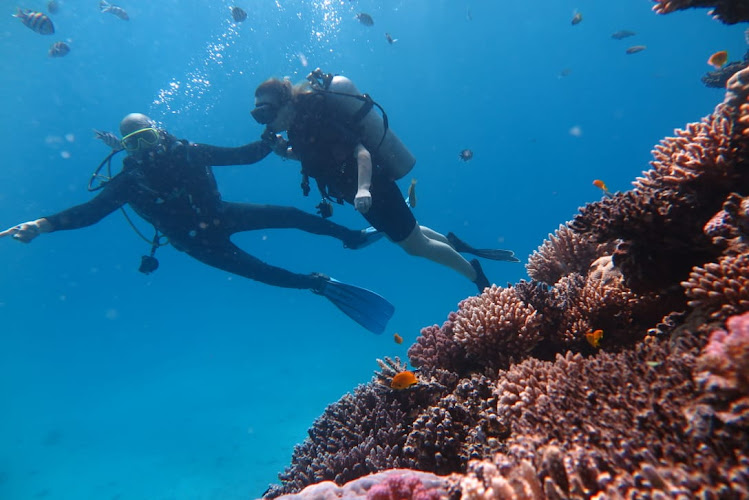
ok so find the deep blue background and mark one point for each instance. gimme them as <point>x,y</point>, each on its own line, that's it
<point>193,384</point>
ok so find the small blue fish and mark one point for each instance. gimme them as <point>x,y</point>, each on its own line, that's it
<point>59,49</point>
<point>105,6</point>
<point>35,21</point>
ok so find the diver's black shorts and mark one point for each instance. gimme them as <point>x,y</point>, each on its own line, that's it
<point>389,212</point>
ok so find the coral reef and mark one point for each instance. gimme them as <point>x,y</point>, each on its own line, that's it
<point>723,375</point>
<point>719,78</point>
<point>515,400</point>
<point>726,11</point>
<point>395,484</point>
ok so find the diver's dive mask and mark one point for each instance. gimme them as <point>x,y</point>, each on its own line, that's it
<point>144,138</point>
<point>265,113</point>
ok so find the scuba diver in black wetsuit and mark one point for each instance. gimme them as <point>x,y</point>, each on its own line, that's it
<point>347,147</point>
<point>169,182</point>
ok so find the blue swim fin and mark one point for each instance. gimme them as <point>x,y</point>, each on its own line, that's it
<point>370,310</point>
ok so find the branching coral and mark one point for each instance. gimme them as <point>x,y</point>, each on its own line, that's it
<point>720,289</point>
<point>436,347</point>
<point>563,253</point>
<point>359,434</point>
<point>612,425</point>
<point>660,221</point>
<point>495,326</point>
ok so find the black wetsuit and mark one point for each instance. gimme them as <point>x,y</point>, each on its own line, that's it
<point>324,140</point>
<point>174,189</point>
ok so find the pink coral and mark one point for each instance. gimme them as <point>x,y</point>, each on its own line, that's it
<point>725,359</point>
<point>402,487</point>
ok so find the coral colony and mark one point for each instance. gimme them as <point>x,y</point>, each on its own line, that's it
<point>513,399</point>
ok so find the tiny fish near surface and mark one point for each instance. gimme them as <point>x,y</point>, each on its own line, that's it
<point>635,49</point>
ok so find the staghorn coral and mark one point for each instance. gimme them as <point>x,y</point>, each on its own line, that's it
<point>660,221</point>
<point>720,289</point>
<point>729,228</point>
<point>726,11</point>
<point>436,347</point>
<point>564,252</point>
<point>359,434</point>
<point>460,426</point>
<point>495,326</point>
<point>612,425</point>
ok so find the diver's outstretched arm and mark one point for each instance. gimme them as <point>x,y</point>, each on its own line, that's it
<point>27,231</point>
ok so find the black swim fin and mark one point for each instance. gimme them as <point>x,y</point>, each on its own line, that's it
<point>370,310</point>
<point>366,237</point>
<point>486,253</point>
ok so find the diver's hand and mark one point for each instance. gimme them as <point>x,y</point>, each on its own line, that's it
<point>363,201</point>
<point>276,142</point>
<point>27,231</point>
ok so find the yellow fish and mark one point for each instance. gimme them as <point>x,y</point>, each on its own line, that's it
<point>594,338</point>
<point>718,59</point>
<point>403,380</point>
<point>602,186</point>
<point>412,194</point>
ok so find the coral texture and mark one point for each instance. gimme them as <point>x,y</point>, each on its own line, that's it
<point>394,484</point>
<point>660,222</point>
<point>563,253</point>
<point>724,374</point>
<point>495,326</point>
<point>727,11</point>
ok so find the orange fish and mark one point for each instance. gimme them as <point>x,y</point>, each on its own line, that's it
<point>602,186</point>
<point>403,380</point>
<point>594,338</point>
<point>718,59</point>
<point>397,338</point>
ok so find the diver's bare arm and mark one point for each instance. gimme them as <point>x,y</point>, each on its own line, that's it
<point>363,199</point>
<point>27,231</point>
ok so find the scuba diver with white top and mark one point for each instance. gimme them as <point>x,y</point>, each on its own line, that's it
<point>354,156</point>
<point>170,183</point>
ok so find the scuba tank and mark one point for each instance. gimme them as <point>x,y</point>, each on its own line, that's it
<point>391,154</point>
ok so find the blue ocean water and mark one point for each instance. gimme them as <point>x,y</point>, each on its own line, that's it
<point>193,384</point>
